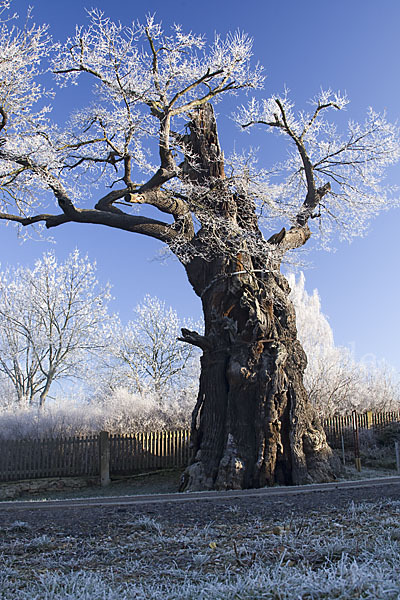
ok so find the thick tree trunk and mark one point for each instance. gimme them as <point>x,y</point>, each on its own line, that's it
<point>253,424</point>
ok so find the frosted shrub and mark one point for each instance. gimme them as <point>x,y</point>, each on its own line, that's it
<point>126,412</point>
<point>59,418</point>
<point>122,412</point>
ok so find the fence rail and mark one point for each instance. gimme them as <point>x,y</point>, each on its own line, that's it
<point>60,457</point>
<point>137,453</point>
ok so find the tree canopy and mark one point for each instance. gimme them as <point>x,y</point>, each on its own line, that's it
<point>133,140</point>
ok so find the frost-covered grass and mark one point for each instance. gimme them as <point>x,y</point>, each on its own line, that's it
<point>341,554</point>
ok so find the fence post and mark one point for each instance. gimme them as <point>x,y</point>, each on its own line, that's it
<point>396,447</point>
<point>104,458</point>
<point>343,452</point>
<point>357,458</point>
<point>369,419</point>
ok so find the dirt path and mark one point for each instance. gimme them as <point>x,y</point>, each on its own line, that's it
<point>88,516</point>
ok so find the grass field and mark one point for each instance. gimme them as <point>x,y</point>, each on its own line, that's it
<point>343,553</point>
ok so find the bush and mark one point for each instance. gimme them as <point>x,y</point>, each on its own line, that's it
<point>121,412</point>
<point>388,435</point>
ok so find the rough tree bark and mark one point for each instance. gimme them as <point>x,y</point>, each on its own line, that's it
<point>253,424</point>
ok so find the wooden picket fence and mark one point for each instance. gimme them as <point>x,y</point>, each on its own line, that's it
<point>148,451</point>
<point>139,452</point>
<point>340,428</point>
<point>81,456</point>
<point>59,457</point>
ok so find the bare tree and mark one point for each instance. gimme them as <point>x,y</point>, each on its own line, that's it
<point>253,423</point>
<point>52,319</point>
<point>146,355</point>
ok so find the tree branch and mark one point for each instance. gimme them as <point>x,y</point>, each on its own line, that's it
<point>296,237</point>
<point>135,224</point>
<point>208,75</point>
<point>50,220</point>
<point>194,338</point>
<point>299,234</point>
<point>319,108</point>
<point>311,202</point>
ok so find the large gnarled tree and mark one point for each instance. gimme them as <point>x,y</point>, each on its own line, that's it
<point>252,424</point>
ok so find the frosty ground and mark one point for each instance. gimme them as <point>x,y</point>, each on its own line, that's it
<point>338,544</point>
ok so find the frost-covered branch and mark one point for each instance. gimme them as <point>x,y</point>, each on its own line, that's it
<point>335,177</point>
<point>174,78</point>
<point>144,79</point>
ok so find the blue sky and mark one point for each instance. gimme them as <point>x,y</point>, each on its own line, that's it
<point>352,46</point>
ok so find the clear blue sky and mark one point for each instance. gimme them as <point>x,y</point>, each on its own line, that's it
<point>351,45</point>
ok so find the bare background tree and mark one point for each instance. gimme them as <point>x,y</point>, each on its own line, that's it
<point>253,423</point>
<point>146,355</point>
<point>123,379</point>
<point>53,319</point>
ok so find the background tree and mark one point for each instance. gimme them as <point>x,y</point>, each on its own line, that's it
<point>52,319</point>
<point>253,423</point>
<point>146,357</point>
<point>335,382</point>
